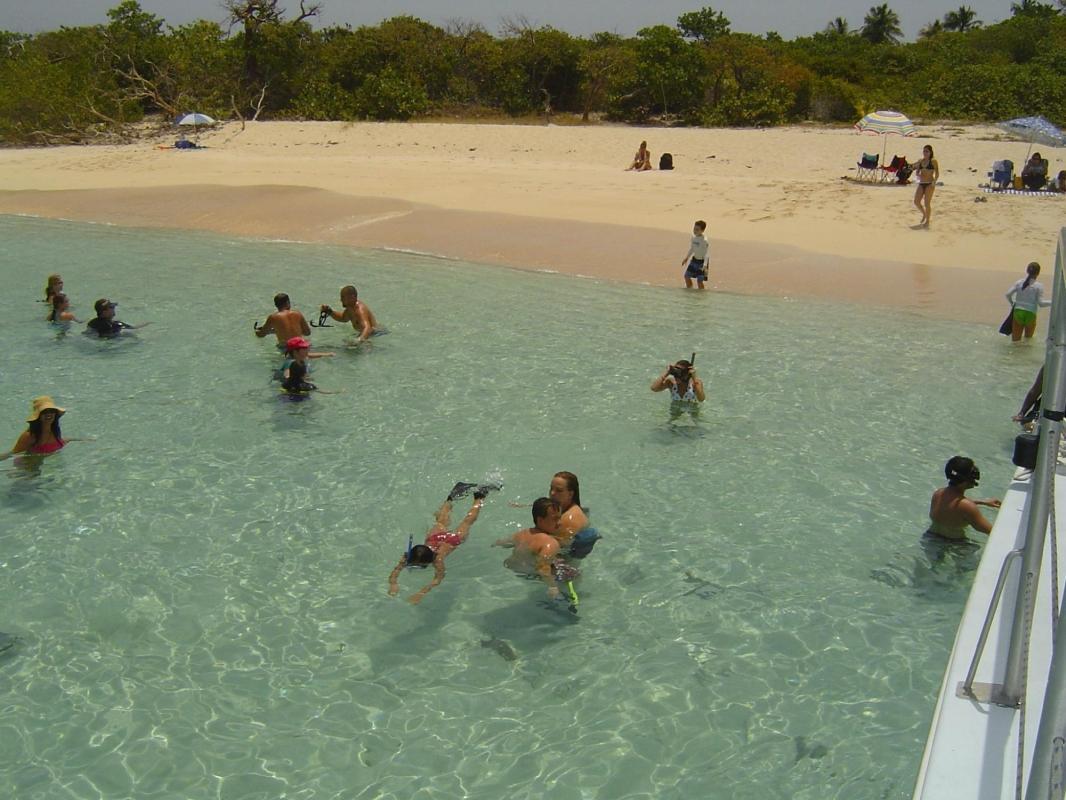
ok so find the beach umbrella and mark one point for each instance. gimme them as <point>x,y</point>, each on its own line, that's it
<point>1035,130</point>
<point>196,120</point>
<point>884,123</point>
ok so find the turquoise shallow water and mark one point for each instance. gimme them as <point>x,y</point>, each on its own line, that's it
<point>200,592</point>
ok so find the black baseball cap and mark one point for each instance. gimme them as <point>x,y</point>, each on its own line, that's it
<point>103,303</point>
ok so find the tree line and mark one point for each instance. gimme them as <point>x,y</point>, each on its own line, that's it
<point>82,83</point>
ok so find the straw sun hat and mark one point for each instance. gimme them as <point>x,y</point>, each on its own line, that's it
<point>43,403</point>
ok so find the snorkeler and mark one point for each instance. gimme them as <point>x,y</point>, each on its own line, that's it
<point>950,511</point>
<point>356,312</point>
<point>537,550</point>
<point>439,540</point>
<point>43,435</point>
<point>285,323</point>
<point>104,323</point>
<point>681,379</point>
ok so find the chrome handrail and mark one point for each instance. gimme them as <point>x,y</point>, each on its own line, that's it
<point>967,685</point>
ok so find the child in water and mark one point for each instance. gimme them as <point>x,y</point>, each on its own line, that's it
<point>295,370</point>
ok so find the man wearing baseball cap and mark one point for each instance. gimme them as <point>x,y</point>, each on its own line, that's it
<point>104,323</point>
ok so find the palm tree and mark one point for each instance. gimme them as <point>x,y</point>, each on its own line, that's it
<point>962,19</point>
<point>881,25</point>
<point>839,26</point>
<point>1032,8</point>
<point>931,30</point>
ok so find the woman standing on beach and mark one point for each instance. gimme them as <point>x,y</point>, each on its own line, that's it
<point>928,174</point>
<point>1026,296</point>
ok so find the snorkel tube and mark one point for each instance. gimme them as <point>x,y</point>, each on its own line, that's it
<point>410,546</point>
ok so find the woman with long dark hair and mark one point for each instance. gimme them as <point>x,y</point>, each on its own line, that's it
<point>1026,296</point>
<point>43,435</point>
<point>928,171</point>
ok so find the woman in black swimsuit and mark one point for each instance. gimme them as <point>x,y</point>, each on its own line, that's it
<point>928,171</point>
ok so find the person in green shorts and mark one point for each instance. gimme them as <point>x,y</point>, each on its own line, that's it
<point>1026,296</point>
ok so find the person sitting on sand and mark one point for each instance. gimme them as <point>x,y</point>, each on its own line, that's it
<point>104,323</point>
<point>950,511</point>
<point>285,323</point>
<point>440,541</point>
<point>642,159</point>
<point>1034,173</point>
<point>43,435</point>
<point>356,312</point>
<point>1059,184</point>
<point>61,313</point>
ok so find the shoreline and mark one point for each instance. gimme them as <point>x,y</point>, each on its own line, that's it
<point>784,220</point>
<point>590,250</point>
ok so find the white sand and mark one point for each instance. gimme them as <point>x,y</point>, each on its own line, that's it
<point>782,220</point>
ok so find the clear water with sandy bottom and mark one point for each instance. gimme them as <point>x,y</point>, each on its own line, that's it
<point>200,592</point>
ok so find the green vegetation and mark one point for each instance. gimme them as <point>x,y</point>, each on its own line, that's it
<point>78,84</point>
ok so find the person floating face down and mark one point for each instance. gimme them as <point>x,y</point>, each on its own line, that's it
<point>951,512</point>
<point>440,541</point>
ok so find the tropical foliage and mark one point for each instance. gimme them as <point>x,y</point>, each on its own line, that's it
<point>76,84</point>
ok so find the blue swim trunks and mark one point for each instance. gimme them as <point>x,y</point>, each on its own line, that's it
<point>696,270</point>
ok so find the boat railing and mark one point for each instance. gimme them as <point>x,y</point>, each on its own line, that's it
<point>1048,763</point>
<point>984,692</point>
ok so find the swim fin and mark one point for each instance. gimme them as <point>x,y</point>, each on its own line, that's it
<point>460,490</point>
<point>485,488</point>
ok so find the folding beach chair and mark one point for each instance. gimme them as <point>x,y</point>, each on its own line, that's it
<point>867,167</point>
<point>1002,175</point>
<point>894,166</point>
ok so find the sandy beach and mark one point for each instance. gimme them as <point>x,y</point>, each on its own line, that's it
<point>785,216</point>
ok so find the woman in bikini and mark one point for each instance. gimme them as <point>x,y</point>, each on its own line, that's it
<point>566,491</point>
<point>642,159</point>
<point>928,171</point>
<point>440,540</point>
<point>42,436</point>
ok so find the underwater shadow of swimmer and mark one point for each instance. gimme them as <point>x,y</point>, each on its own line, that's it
<point>942,566</point>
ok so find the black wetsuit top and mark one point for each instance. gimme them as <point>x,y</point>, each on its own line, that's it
<point>106,327</point>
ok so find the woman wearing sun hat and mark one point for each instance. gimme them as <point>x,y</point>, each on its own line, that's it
<point>42,436</point>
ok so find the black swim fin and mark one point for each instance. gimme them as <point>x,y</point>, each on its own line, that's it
<point>460,490</point>
<point>485,488</point>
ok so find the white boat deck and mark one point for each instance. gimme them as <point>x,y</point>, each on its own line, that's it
<point>972,749</point>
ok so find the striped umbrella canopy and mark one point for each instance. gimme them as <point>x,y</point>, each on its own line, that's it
<point>1034,130</point>
<point>884,122</point>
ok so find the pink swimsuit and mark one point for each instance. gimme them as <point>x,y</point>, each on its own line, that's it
<point>45,449</point>
<point>437,538</point>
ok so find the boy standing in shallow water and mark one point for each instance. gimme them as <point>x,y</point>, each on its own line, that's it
<point>696,258</point>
